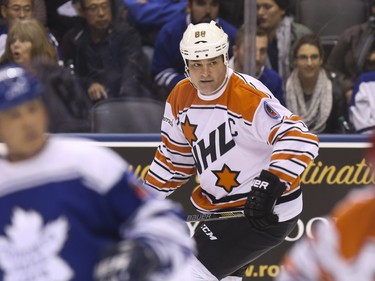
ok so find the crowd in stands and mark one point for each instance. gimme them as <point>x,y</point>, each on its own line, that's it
<point>106,49</point>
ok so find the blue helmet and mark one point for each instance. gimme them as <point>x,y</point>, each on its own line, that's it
<point>17,86</point>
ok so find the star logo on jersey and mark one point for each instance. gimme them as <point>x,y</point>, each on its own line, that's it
<point>226,178</point>
<point>30,249</point>
<point>189,130</point>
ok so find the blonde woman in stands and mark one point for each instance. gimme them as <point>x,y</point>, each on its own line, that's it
<point>28,40</point>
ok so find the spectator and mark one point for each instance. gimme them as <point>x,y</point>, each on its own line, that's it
<point>362,105</point>
<point>309,91</point>
<point>283,32</point>
<point>343,248</point>
<point>167,65</point>
<point>15,10</point>
<point>27,40</point>
<point>108,58</point>
<point>264,74</point>
<point>232,11</point>
<point>347,58</point>
<point>67,205</point>
<point>67,106</point>
<point>149,16</point>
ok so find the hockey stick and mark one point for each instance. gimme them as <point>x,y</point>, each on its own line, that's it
<point>215,216</point>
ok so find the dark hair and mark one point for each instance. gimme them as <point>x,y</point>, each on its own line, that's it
<point>6,2</point>
<point>310,39</point>
<point>241,34</point>
<point>283,5</point>
<point>117,7</point>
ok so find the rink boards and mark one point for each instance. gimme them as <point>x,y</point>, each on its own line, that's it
<point>340,167</point>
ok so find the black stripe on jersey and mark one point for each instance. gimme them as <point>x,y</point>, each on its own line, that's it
<point>294,139</point>
<point>177,153</point>
<point>294,151</point>
<point>226,199</point>
<point>161,165</point>
<point>173,141</point>
<point>302,164</point>
<point>280,134</point>
<point>208,107</point>
<point>283,169</point>
<point>177,164</point>
<point>182,180</point>
<point>158,189</point>
<point>289,197</point>
<point>244,79</point>
<point>287,121</point>
<point>278,123</point>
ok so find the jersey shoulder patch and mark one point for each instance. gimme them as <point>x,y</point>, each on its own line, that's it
<point>271,112</point>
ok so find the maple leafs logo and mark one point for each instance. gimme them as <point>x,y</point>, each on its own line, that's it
<point>29,251</point>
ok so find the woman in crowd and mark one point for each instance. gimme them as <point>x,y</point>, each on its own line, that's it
<point>309,92</point>
<point>28,40</point>
<point>283,32</point>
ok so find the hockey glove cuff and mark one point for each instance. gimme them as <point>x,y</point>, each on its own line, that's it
<point>266,189</point>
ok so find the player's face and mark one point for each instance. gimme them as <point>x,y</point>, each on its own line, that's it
<point>269,14</point>
<point>261,47</point>
<point>98,14</point>
<point>21,51</point>
<point>17,10</point>
<point>207,75</point>
<point>308,61</point>
<point>22,129</point>
<point>203,10</point>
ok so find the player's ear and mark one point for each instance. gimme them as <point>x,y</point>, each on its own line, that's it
<point>188,7</point>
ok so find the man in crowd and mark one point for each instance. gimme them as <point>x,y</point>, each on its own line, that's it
<point>106,52</point>
<point>270,78</point>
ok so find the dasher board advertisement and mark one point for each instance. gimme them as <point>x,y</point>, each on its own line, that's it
<point>340,167</point>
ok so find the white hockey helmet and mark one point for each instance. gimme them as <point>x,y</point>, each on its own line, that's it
<point>204,41</point>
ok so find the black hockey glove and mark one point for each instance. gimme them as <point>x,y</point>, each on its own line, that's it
<point>261,201</point>
<point>127,261</point>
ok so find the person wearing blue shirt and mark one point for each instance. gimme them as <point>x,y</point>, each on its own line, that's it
<point>270,78</point>
<point>72,210</point>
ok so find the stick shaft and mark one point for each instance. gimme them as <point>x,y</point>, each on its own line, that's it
<point>215,216</point>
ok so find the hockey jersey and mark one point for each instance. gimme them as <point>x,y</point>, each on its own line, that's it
<point>343,249</point>
<point>227,139</point>
<point>59,210</point>
<point>361,110</point>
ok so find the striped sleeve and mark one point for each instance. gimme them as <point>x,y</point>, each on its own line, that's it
<point>293,146</point>
<point>173,164</point>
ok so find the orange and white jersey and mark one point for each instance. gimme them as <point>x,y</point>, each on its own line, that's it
<point>227,139</point>
<point>343,250</point>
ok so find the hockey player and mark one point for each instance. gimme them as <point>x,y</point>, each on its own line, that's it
<point>343,249</point>
<point>62,201</point>
<point>247,149</point>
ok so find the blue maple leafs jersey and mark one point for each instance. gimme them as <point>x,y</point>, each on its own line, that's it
<point>61,208</point>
